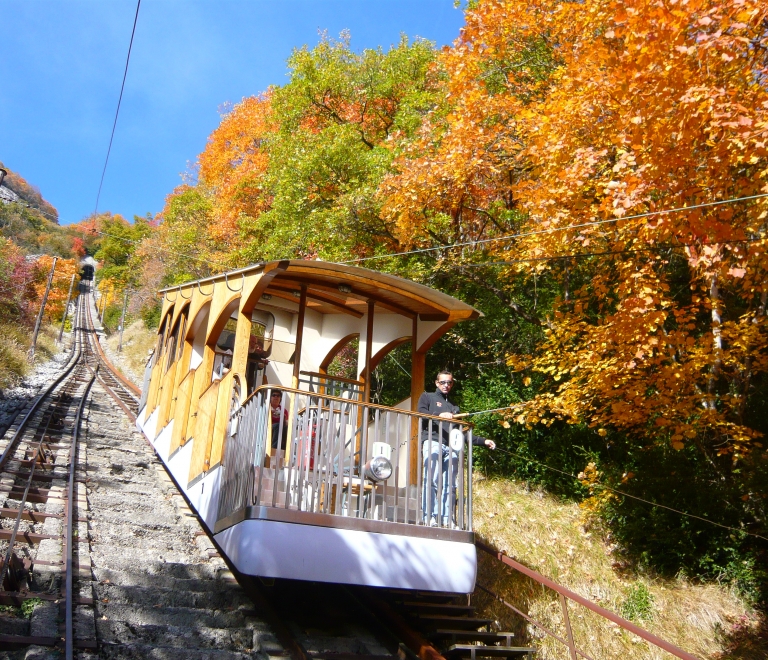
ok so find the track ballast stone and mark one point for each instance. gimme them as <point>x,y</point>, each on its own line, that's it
<point>157,592</point>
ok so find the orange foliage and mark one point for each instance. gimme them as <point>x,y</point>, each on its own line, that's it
<point>62,277</point>
<point>233,163</point>
<point>78,247</point>
<point>569,113</point>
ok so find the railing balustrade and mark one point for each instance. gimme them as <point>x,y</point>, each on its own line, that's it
<point>565,595</point>
<point>346,388</point>
<point>336,455</point>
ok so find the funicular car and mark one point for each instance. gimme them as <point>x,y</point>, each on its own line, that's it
<point>316,482</point>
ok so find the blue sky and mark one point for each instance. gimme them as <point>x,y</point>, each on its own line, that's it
<point>62,64</point>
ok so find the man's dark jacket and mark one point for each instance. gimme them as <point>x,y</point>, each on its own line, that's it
<point>435,403</point>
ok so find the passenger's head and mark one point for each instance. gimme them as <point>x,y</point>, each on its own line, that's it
<point>444,381</point>
<point>275,398</point>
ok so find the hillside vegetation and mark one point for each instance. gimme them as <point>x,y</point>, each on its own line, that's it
<point>29,239</point>
<point>552,536</point>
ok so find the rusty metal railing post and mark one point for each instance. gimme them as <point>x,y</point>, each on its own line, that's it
<point>568,630</point>
<point>580,600</point>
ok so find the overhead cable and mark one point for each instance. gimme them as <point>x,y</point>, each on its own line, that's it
<point>156,249</point>
<point>508,237</point>
<point>552,230</point>
<point>576,255</point>
<point>634,497</point>
<point>119,100</point>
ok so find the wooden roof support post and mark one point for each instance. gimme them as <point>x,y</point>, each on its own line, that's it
<point>296,362</point>
<point>299,337</point>
<point>368,352</point>
<point>418,368</point>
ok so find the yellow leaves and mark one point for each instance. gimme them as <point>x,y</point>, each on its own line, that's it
<point>654,121</point>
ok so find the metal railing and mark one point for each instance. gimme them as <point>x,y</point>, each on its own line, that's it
<point>565,595</point>
<point>318,458</point>
<point>346,388</point>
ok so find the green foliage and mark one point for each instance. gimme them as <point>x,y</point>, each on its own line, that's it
<point>656,538</point>
<point>33,232</point>
<point>150,314</point>
<point>638,605</point>
<point>28,606</point>
<point>391,379</point>
<point>111,318</point>
<point>116,249</point>
<point>523,73</point>
<point>187,219</point>
<point>10,610</point>
<point>336,118</point>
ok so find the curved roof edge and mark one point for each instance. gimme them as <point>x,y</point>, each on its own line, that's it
<point>343,271</point>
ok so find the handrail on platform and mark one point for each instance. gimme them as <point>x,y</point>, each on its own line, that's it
<point>571,595</point>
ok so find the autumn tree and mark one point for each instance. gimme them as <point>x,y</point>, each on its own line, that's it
<point>189,242</point>
<point>567,132</point>
<point>294,172</point>
<point>233,165</point>
<point>54,306</point>
<point>16,289</point>
<point>117,245</point>
<point>583,114</point>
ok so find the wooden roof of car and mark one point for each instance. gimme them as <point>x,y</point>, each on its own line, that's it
<point>323,280</point>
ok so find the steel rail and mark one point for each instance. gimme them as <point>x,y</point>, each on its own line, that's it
<point>69,635</point>
<point>56,407</point>
<point>123,382</point>
<point>100,358</point>
<point>55,404</point>
<point>13,442</point>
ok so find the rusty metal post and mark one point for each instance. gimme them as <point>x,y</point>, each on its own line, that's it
<point>584,602</point>
<point>42,309</point>
<point>122,324</point>
<point>568,631</point>
<point>66,307</point>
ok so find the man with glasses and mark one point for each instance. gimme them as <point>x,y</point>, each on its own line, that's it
<point>441,463</point>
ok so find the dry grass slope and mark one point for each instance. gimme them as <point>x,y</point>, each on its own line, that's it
<point>14,345</point>
<point>707,620</point>
<point>137,342</point>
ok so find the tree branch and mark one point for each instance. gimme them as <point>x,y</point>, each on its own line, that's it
<point>505,298</point>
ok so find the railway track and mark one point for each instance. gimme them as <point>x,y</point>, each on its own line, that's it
<point>102,558</point>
